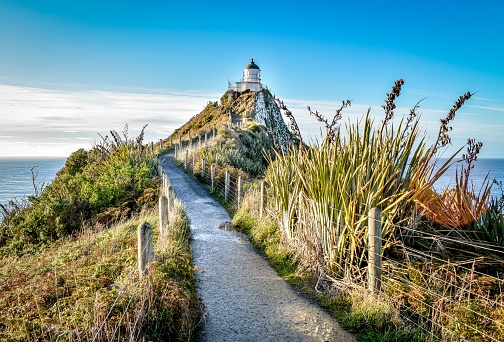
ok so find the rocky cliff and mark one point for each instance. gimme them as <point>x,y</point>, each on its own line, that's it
<point>251,106</point>
<point>267,113</point>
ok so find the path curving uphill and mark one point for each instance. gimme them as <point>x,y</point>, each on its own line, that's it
<point>244,298</point>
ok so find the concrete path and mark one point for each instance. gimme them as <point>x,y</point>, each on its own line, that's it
<point>244,298</point>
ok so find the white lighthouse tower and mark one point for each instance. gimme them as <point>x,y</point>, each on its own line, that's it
<point>251,78</point>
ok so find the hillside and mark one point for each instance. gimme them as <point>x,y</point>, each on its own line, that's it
<point>69,254</point>
<point>247,106</point>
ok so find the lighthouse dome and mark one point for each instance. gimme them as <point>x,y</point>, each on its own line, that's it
<point>252,65</point>
<point>252,73</point>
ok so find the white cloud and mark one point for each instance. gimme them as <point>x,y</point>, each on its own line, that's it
<point>33,118</point>
<point>481,119</point>
<point>38,121</point>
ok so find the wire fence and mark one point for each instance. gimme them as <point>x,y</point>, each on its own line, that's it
<point>194,138</point>
<point>134,287</point>
<point>449,296</point>
<point>225,182</point>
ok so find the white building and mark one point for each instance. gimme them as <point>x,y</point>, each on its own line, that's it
<point>251,79</point>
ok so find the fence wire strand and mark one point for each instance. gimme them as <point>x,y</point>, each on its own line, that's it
<point>390,264</point>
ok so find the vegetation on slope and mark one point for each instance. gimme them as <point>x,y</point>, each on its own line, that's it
<point>101,186</point>
<point>69,254</point>
<point>243,149</point>
<point>440,250</point>
<point>214,114</point>
<point>260,107</point>
<point>88,288</point>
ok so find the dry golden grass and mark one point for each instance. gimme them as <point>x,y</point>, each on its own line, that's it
<point>88,288</point>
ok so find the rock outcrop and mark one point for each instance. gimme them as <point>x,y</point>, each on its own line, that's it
<point>244,107</point>
<point>267,113</point>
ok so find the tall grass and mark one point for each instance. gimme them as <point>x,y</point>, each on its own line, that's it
<point>323,193</point>
<point>320,196</point>
<point>88,288</point>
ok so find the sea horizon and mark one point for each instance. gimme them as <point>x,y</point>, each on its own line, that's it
<point>15,171</point>
<point>32,157</point>
<point>16,175</point>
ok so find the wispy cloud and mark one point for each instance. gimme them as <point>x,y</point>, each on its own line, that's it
<point>34,118</point>
<point>492,108</point>
<point>37,121</point>
<point>481,120</point>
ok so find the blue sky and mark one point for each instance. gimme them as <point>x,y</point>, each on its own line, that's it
<point>71,69</point>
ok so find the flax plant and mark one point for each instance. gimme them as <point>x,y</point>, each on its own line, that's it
<point>344,179</point>
<point>285,189</point>
<point>323,193</point>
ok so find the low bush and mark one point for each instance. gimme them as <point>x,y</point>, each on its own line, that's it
<point>88,288</point>
<point>114,179</point>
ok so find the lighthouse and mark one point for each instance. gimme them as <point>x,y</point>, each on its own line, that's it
<point>251,78</point>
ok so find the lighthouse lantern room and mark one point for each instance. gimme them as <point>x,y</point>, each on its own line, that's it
<point>251,78</point>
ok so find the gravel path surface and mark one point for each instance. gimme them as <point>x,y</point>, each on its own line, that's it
<point>244,298</point>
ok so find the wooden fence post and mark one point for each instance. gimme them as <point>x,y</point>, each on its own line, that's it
<point>166,184</point>
<point>206,136</point>
<point>163,184</point>
<point>226,186</point>
<point>163,216</point>
<point>171,141</point>
<point>212,176</point>
<point>194,162</point>
<point>213,132</point>
<point>145,247</point>
<point>375,250</point>
<point>160,144</point>
<point>175,152</point>
<point>263,200</point>
<point>203,162</point>
<point>152,146</point>
<point>239,190</point>
<point>171,197</point>
<point>186,159</point>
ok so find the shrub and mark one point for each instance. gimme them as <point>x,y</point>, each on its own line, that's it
<point>110,178</point>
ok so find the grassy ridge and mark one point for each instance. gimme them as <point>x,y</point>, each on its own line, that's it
<point>69,254</point>
<point>88,287</point>
<point>100,186</point>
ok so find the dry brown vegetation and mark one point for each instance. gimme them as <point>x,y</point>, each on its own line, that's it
<point>87,288</point>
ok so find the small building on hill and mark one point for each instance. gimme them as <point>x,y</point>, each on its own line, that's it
<point>251,79</point>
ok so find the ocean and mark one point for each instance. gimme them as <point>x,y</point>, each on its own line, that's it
<point>16,176</point>
<point>494,167</point>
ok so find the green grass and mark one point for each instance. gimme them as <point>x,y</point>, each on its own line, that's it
<point>368,317</point>
<point>68,290</point>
